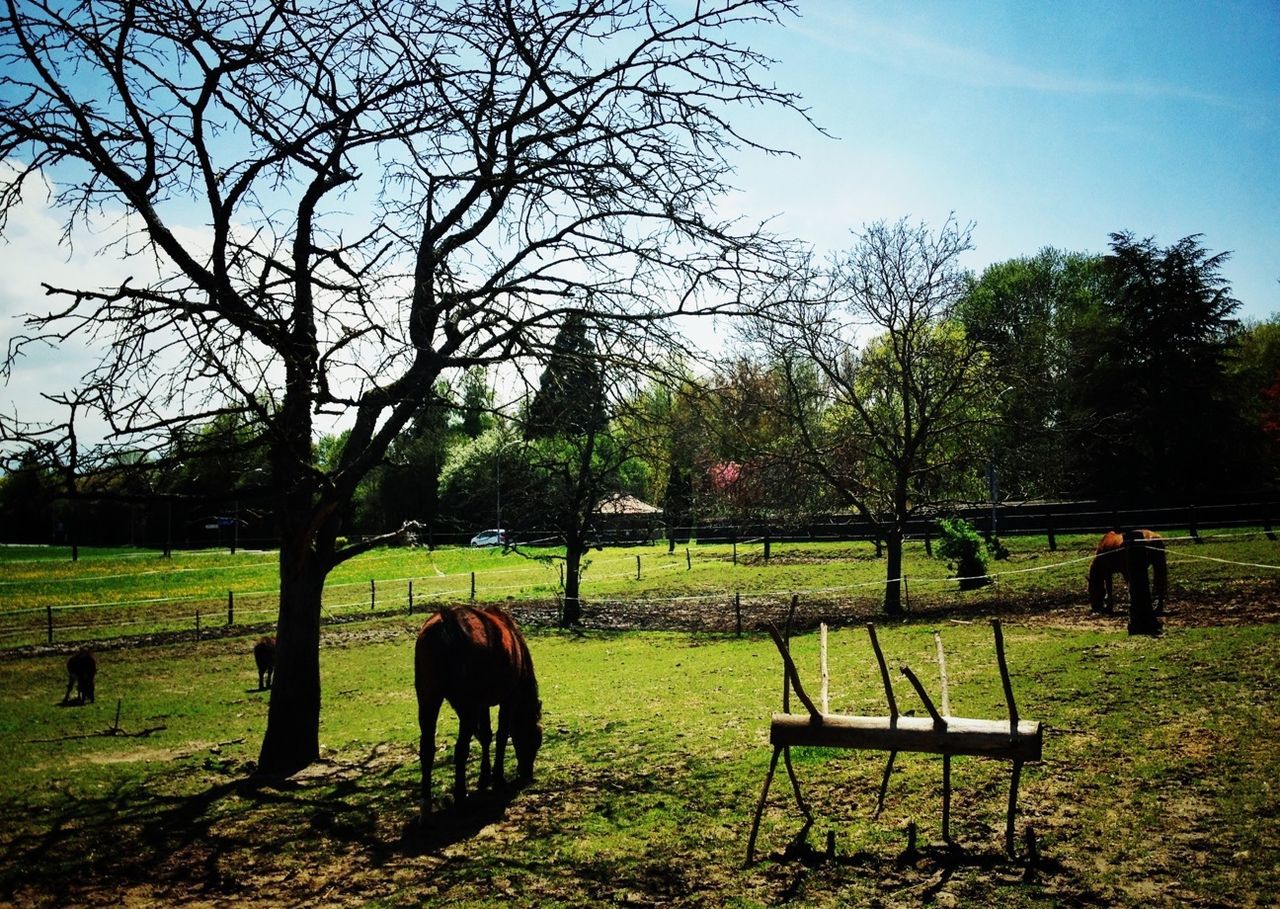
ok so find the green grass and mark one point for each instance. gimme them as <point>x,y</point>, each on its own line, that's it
<point>1158,784</point>
<point>110,593</point>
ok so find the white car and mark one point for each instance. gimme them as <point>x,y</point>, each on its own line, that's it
<point>490,538</point>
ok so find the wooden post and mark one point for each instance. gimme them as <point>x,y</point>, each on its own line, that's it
<point>767,544</point>
<point>1191,522</point>
<point>1004,677</point>
<point>473,583</point>
<point>410,596</point>
<point>946,797</point>
<point>637,568</point>
<point>688,561</point>
<point>373,595</point>
<point>197,625</point>
<point>928,538</point>
<point>735,551</point>
<point>1266,526</point>
<point>822,656</point>
<point>942,673</point>
<point>48,611</point>
<point>884,674</point>
<point>231,607</point>
<point>737,611</point>
<point>1053,539</point>
<point>1142,618</point>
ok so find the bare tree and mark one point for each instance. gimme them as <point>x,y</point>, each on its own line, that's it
<point>384,191</point>
<point>888,399</point>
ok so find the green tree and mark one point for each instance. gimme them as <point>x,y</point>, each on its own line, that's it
<point>1151,373</point>
<point>577,459</point>
<point>1026,312</point>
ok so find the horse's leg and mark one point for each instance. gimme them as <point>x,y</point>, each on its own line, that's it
<point>504,733</point>
<point>466,728</point>
<point>484,732</point>
<point>428,713</point>
<point>71,681</point>
<point>1110,602</point>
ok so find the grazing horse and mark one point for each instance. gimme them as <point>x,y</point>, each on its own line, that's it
<point>81,668</point>
<point>264,654</point>
<point>1110,559</point>
<point>475,658</point>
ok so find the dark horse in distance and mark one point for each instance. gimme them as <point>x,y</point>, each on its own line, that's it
<point>81,669</point>
<point>1110,559</point>
<point>264,657</point>
<point>475,658</point>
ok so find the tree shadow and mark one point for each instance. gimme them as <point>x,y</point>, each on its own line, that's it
<point>215,841</point>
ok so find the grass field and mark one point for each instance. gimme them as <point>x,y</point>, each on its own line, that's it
<point>1158,785</point>
<point>114,593</point>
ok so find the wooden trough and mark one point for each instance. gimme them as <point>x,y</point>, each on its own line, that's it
<point>1014,740</point>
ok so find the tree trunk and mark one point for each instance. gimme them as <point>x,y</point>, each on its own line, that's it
<point>292,739</point>
<point>572,570</point>
<point>893,574</point>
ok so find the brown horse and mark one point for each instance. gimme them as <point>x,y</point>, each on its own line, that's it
<point>264,655</point>
<point>475,658</point>
<point>81,668</point>
<point>1110,559</point>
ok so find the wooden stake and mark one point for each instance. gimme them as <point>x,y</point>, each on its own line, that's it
<point>826,679</point>
<point>884,676</point>
<point>946,797</point>
<point>231,607</point>
<point>48,610</point>
<point>942,673</point>
<point>1004,677</point>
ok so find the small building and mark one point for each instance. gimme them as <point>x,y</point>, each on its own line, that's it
<point>623,519</point>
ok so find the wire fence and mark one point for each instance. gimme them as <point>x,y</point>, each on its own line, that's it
<point>617,591</point>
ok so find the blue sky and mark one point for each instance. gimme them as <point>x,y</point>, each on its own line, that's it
<point>1045,124</point>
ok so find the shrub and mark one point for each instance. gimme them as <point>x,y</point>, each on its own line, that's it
<point>965,552</point>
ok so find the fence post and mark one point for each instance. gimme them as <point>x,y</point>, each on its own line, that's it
<point>1191,520</point>
<point>197,625</point>
<point>48,609</point>
<point>373,595</point>
<point>737,610</point>
<point>1142,618</point>
<point>410,596</point>
<point>637,568</point>
<point>473,584</point>
<point>928,537</point>
<point>1266,527</point>
<point>688,561</point>
<point>1053,539</point>
<point>767,544</point>
<point>231,607</point>
<point>735,552</point>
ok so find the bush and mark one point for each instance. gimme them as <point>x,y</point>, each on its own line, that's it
<point>965,552</point>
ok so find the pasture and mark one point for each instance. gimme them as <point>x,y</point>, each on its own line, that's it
<point>1157,788</point>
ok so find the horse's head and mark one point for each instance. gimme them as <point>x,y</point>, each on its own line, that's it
<point>526,737</point>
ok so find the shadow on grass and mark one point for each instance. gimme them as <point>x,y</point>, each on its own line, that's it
<point>924,872</point>
<point>156,833</point>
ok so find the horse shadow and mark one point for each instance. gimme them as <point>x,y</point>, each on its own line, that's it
<point>457,823</point>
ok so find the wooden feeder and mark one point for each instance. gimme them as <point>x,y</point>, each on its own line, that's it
<point>1012,740</point>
